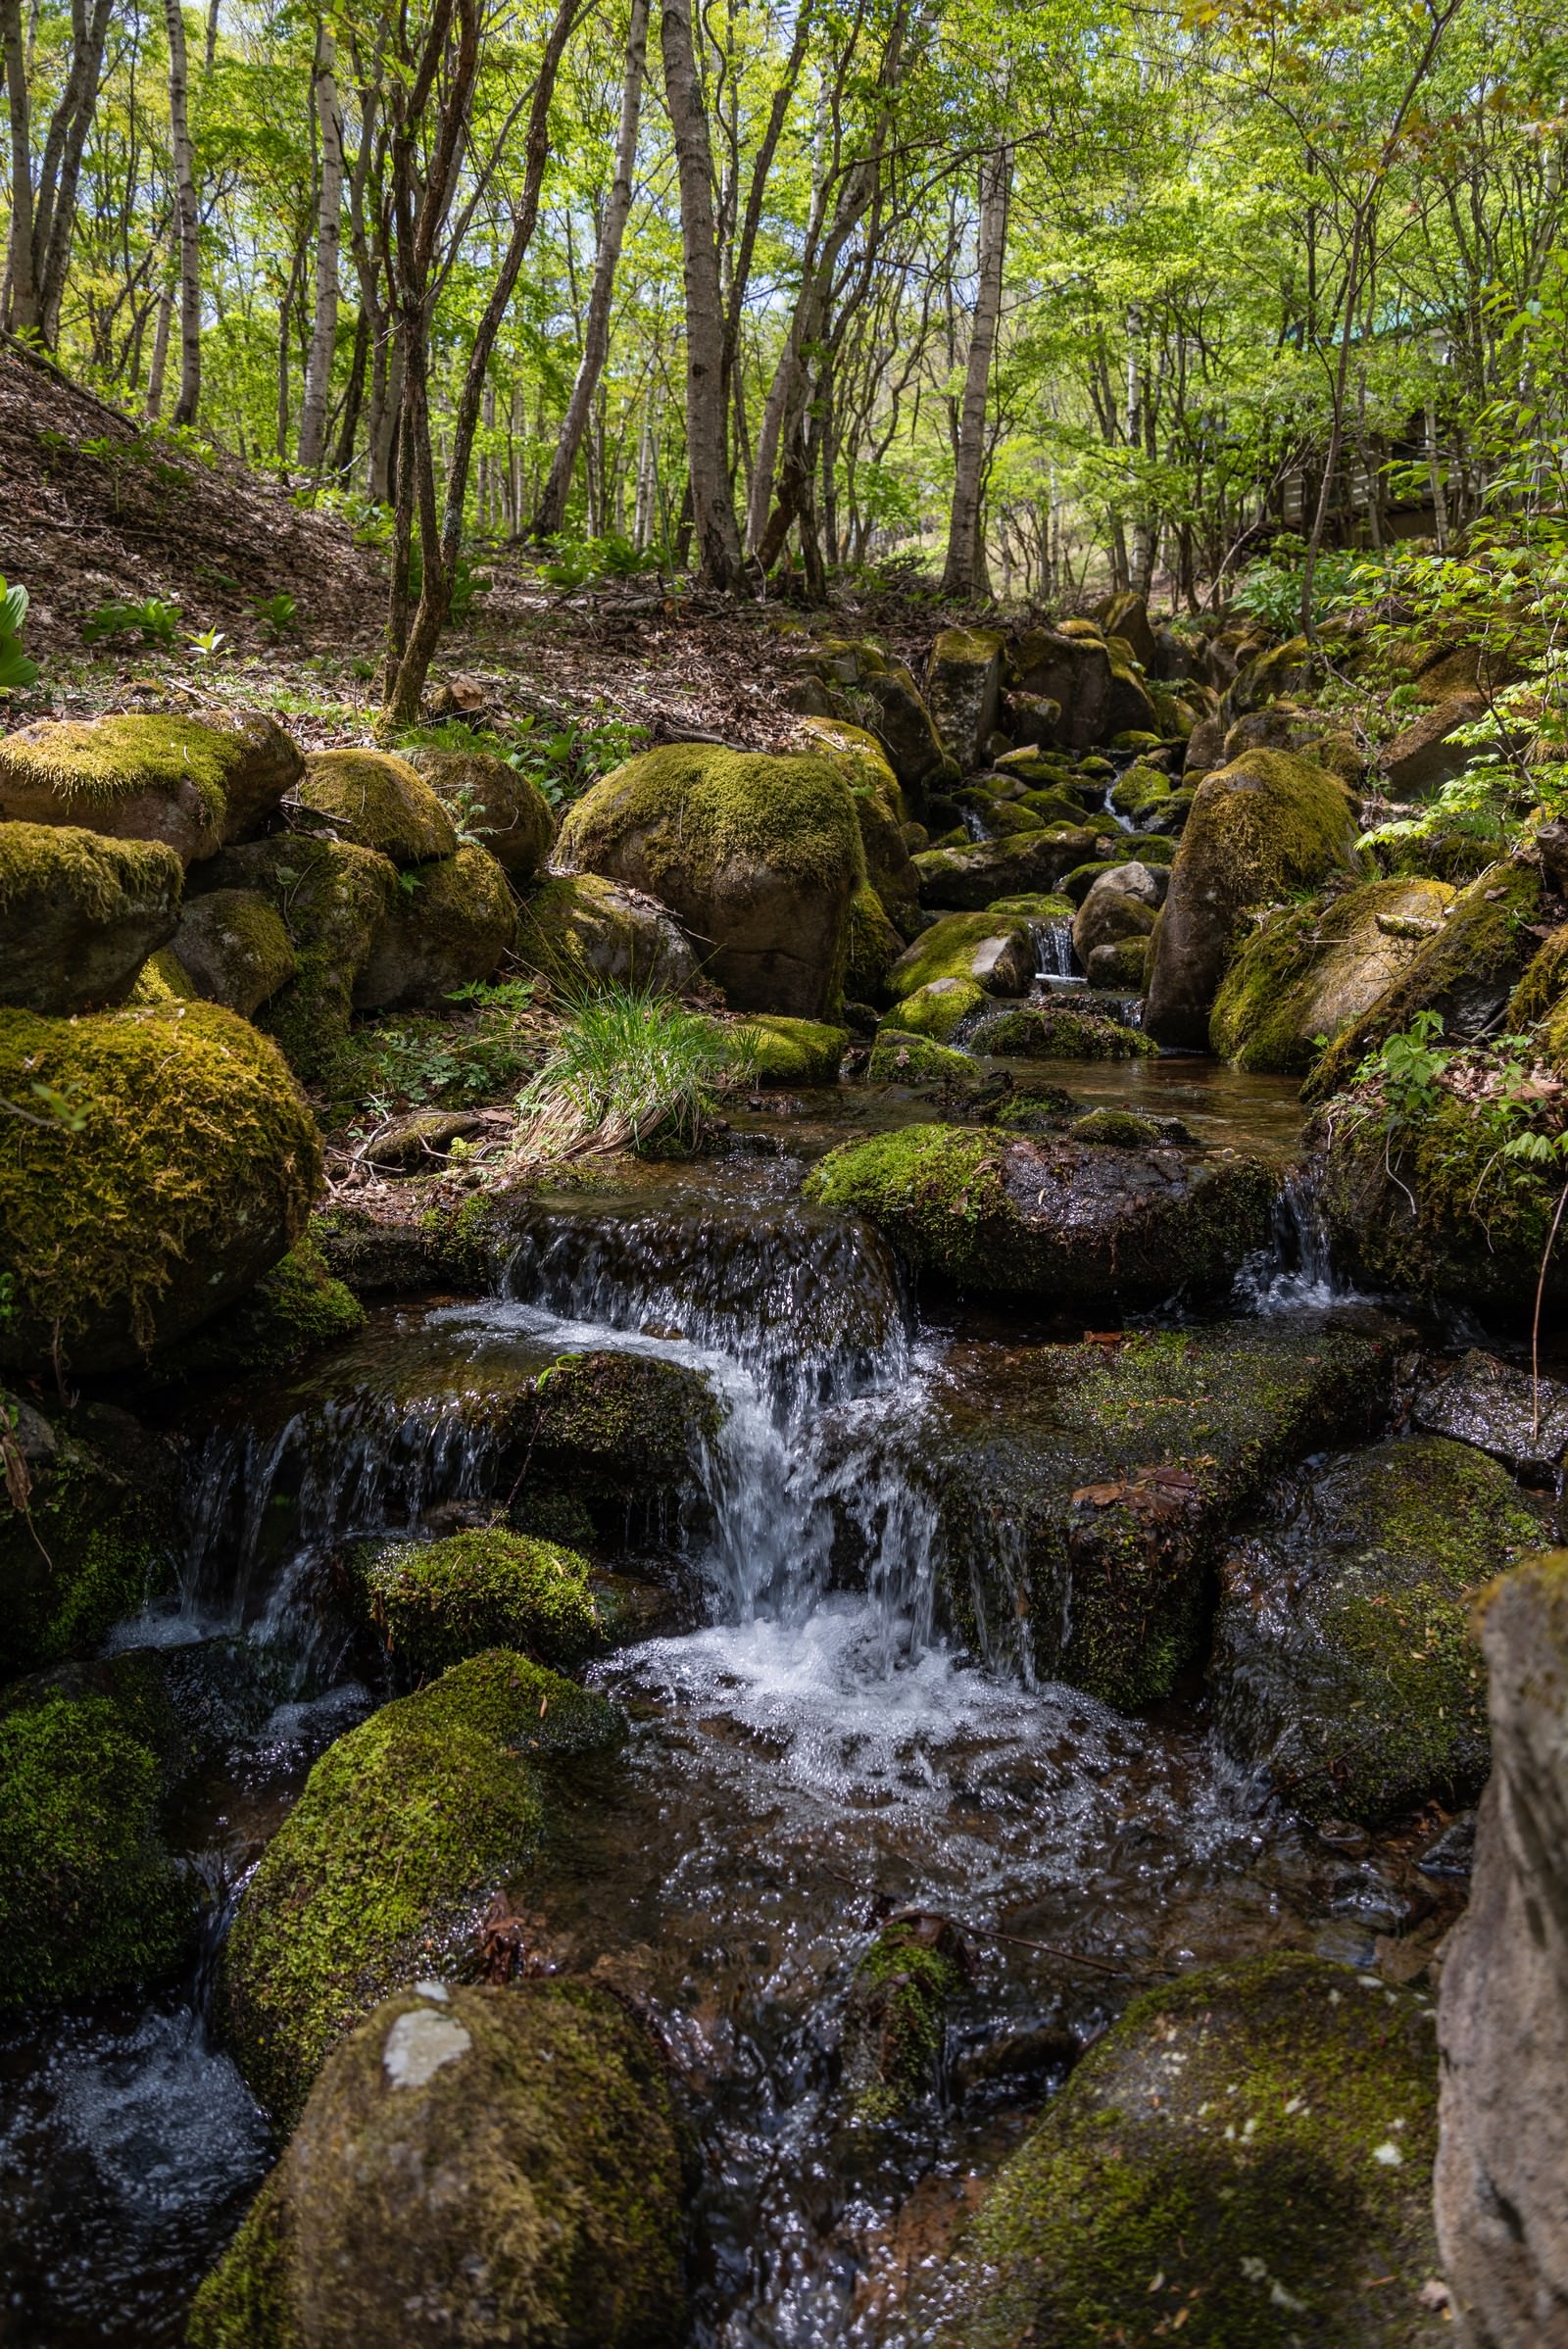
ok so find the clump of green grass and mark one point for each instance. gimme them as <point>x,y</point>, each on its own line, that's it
<point>629,1067</point>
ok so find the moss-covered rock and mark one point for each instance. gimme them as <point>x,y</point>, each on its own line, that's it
<point>874,947</point>
<point>938,1010</point>
<point>450,925</point>
<point>901,723</point>
<point>1053,808</point>
<point>233,947</point>
<point>899,1057</point>
<point>1120,1128</point>
<point>1054,1031</point>
<point>1127,616</point>
<point>991,950</point>
<point>90,1900</point>
<point>1343,1659</point>
<point>195,784</point>
<point>795,1051</point>
<point>894,2019</point>
<point>970,878</point>
<point>1262,830</point>
<point>80,913</point>
<point>378,802</point>
<point>1288,672</point>
<point>180,1165</point>
<point>405,1829</point>
<point>88,1537</point>
<point>1122,903</point>
<point>1544,983</point>
<point>161,979</point>
<point>294,1311</point>
<point>1051,1217</point>
<point>761,856</point>
<point>505,2163</point>
<point>1465,973</point>
<point>879,806</point>
<point>1311,971</point>
<point>331,898</point>
<point>492,803</point>
<point>581,932</point>
<point>434,1604</point>
<point>988,816</point>
<point>963,688</point>
<point>1138,789</point>
<point>1246,2154</point>
<point>1121,965</point>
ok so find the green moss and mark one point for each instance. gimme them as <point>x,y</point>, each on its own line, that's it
<point>194,1169</point>
<point>162,979</point>
<point>901,1057</point>
<point>874,946</point>
<point>1122,1129</point>
<point>93,1545</point>
<point>1056,1032</point>
<point>406,1826</point>
<point>247,2301</point>
<point>377,801</point>
<point>1544,986</point>
<point>1037,906</point>
<point>1248,2150</point>
<point>333,897</point>
<point>1310,970</point>
<point>896,2021</point>
<point>90,1900</point>
<point>963,946</point>
<point>938,1010</point>
<point>1139,789</point>
<point>436,1602</point>
<point>940,1183</point>
<point>795,1051</point>
<point>95,762</point>
<point>100,873</point>
<point>293,1311</point>
<point>703,809</point>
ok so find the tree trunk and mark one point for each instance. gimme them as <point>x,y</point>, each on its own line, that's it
<point>154,407</point>
<point>965,557</point>
<point>55,222</point>
<point>186,221</point>
<point>329,241</point>
<point>21,290</point>
<point>596,335</point>
<point>712,512</point>
<point>353,399</point>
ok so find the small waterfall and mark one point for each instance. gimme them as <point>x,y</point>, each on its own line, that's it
<point>1054,954</point>
<point>1298,1268</point>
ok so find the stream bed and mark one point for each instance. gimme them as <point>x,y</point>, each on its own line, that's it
<point>811,1749</point>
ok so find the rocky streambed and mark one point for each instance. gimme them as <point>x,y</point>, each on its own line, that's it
<point>935,1679</point>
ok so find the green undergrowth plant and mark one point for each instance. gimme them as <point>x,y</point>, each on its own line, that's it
<point>156,623</point>
<point>629,1068</point>
<point>17,671</point>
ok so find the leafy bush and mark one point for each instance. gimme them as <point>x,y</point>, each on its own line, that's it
<point>17,671</point>
<point>155,621</point>
<point>628,1066</point>
<point>280,615</point>
<point>578,562</point>
<point>1270,589</point>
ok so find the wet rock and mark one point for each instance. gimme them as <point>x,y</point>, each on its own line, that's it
<point>963,688</point>
<point>1502,2161</point>
<point>473,2166</point>
<point>1056,1031</point>
<point>492,803</point>
<point>294,1311</point>
<point>1238,2155</point>
<point>80,913</point>
<point>901,1057</point>
<point>193,1171</point>
<point>434,1604</point>
<point>1342,1661</point>
<point>232,944</point>
<point>895,2021</point>
<point>1503,1410</point>
<point>938,1010</point>
<point>1311,971</point>
<point>759,855</point>
<point>376,802</point>
<point>795,1051</point>
<point>405,1829</point>
<point>88,1530</point>
<point>1261,830</point>
<point>970,878</point>
<point>451,929</point>
<point>992,951</point>
<point>1121,905</point>
<point>194,784</point>
<point>580,930</point>
<point>1451,1856</point>
<point>1057,1218</point>
<point>1085,1492</point>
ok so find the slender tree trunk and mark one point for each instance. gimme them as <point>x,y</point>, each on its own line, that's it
<point>596,335</point>
<point>328,242</point>
<point>353,398</point>
<point>958,577</point>
<point>186,221</point>
<point>706,459</point>
<point>154,407</point>
<point>21,290</point>
<point>55,225</point>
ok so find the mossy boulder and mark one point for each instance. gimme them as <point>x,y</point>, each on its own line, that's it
<point>1137,790</point>
<point>937,1009</point>
<point>1054,1031</point>
<point>970,878</point>
<point>181,1166</point>
<point>477,2165</point>
<point>901,723</point>
<point>232,946</point>
<point>294,1311</point>
<point>1343,1659</point>
<point>434,1604</point>
<point>874,947</point>
<point>988,815</point>
<point>1119,965</point>
<point>376,801</point>
<point>879,806</point>
<point>1262,830</point>
<point>194,784</point>
<point>964,690</point>
<point>80,913</point>
<point>1247,2153</point>
<point>1072,668</point>
<point>451,925</point>
<point>406,1827</point>
<point>88,1530</point>
<point>899,1057</point>
<point>90,1900</point>
<point>1050,1217</point>
<point>1119,1129</point>
<point>331,898</point>
<point>1311,971</point>
<point>1053,808</point>
<point>581,932</point>
<point>1122,903</point>
<point>1544,983</point>
<point>492,803</point>
<point>989,951</point>
<point>796,1051</point>
<point>894,2019</point>
<point>760,855</point>
<point>1127,616</point>
<point>1288,672</point>
<point>1465,971</point>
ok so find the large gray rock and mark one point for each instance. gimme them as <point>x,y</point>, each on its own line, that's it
<point>581,933</point>
<point>1503,2157</point>
<point>967,879</point>
<point>233,947</point>
<point>80,913</point>
<point>964,690</point>
<point>451,928</point>
<point>1122,903</point>
<point>1424,754</point>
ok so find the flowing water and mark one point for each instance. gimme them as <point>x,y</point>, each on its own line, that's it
<point>807,1755</point>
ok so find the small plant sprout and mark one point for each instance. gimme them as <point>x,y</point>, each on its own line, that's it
<point>280,615</point>
<point>208,645</point>
<point>17,671</point>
